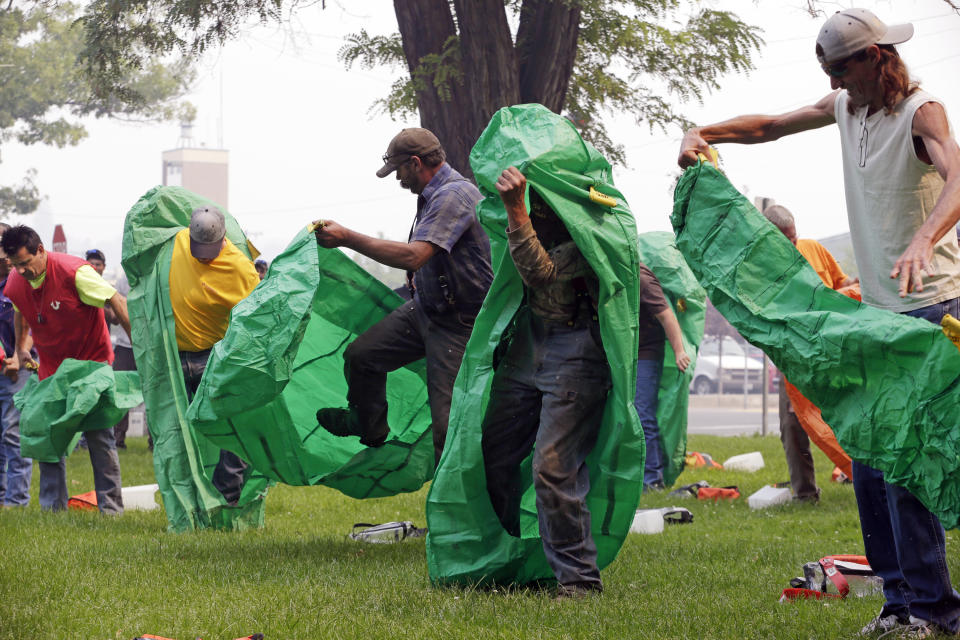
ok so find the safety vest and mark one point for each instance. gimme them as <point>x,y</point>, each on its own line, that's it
<point>61,324</point>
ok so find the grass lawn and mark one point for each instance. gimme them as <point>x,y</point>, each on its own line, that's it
<point>80,575</point>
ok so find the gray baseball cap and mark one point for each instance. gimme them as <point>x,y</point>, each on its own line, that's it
<point>207,229</point>
<point>853,30</point>
<point>414,141</point>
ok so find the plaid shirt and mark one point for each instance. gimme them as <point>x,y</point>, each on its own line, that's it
<point>458,276</point>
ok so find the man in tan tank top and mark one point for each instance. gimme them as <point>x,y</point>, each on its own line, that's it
<point>902,177</point>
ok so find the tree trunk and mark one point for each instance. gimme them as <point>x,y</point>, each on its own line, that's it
<point>489,61</point>
<point>546,51</point>
<point>425,25</point>
<point>495,74</point>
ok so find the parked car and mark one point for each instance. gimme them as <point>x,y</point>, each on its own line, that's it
<point>737,366</point>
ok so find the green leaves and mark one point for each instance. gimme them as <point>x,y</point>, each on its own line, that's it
<point>44,92</point>
<point>22,198</point>
<point>638,56</point>
<point>644,57</point>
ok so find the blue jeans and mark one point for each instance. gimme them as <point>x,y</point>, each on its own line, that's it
<point>15,470</point>
<point>903,541</point>
<point>548,394</point>
<point>645,401</point>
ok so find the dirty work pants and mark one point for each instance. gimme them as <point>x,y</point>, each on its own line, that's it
<point>548,394</point>
<point>904,542</point>
<point>406,335</point>
<point>796,447</point>
<point>228,474</point>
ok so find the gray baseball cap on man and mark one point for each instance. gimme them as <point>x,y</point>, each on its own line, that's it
<point>409,142</point>
<point>207,229</point>
<point>853,30</point>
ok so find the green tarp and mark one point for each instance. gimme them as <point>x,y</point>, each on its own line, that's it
<point>888,384</point>
<point>81,396</point>
<point>182,462</point>
<point>658,250</point>
<point>282,359</point>
<point>466,542</point>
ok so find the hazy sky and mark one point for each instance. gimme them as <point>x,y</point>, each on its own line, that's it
<point>303,145</point>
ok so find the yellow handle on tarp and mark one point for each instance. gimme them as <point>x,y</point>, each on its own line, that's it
<point>714,156</point>
<point>602,198</point>
<point>951,329</point>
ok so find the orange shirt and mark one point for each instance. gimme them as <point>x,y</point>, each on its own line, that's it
<point>822,262</point>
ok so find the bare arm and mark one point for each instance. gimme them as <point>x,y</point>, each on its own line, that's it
<point>753,129</point>
<point>930,125</point>
<point>400,255</point>
<point>118,304</point>
<point>22,343</point>
<point>672,328</point>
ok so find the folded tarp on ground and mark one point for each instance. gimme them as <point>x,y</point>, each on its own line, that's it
<point>658,250</point>
<point>81,396</point>
<point>282,359</point>
<point>888,384</point>
<point>183,462</point>
<point>466,542</point>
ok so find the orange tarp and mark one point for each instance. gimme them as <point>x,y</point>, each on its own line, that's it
<point>809,415</point>
<point>819,431</point>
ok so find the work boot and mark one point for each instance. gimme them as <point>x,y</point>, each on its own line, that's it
<point>338,422</point>
<point>343,423</point>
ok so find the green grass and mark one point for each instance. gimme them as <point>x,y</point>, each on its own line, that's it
<point>80,575</point>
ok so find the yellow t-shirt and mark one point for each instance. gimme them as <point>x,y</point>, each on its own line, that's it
<point>202,295</point>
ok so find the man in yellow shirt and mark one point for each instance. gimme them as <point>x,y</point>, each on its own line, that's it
<point>796,443</point>
<point>208,277</point>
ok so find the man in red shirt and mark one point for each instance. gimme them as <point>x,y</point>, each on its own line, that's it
<point>60,298</point>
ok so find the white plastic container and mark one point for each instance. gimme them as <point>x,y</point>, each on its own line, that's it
<point>136,422</point>
<point>749,462</point>
<point>140,497</point>
<point>769,496</point>
<point>647,521</point>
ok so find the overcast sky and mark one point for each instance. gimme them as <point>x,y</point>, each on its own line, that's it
<point>303,144</point>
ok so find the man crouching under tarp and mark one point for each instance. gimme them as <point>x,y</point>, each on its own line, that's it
<point>183,283</point>
<point>550,368</point>
<point>549,390</point>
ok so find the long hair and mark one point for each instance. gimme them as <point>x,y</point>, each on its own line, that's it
<point>894,79</point>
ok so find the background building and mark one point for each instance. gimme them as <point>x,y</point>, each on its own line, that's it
<point>197,168</point>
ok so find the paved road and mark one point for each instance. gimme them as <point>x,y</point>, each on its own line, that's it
<point>724,421</point>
